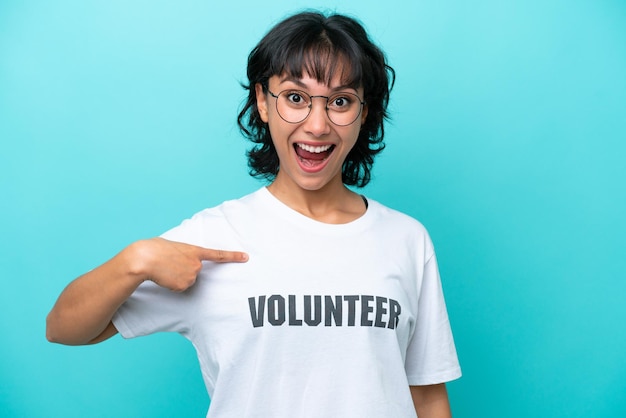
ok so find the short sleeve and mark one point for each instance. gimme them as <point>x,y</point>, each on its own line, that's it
<point>431,354</point>
<point>151,309</point>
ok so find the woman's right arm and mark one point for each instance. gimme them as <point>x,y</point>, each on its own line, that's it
<point>83,311</point>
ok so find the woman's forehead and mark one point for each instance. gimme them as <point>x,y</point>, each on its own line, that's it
<point>306,81</point>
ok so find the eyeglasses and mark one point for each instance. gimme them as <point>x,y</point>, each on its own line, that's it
<point>294,106</point>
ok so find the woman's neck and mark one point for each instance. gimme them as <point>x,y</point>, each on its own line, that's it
<point>333,204</point>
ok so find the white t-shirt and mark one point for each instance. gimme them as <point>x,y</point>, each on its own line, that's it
<point>323,320</point>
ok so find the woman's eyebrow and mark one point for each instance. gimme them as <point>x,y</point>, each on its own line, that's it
<point>293,80</point>
<point>302,85</point>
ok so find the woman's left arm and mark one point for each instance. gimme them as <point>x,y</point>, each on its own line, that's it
<point>431,401</point>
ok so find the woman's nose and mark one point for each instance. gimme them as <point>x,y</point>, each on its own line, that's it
<point>317,123</point>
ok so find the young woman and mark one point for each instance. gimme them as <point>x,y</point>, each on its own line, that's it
<point>304,298</point>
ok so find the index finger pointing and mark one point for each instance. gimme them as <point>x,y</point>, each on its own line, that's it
<point>223,256</point>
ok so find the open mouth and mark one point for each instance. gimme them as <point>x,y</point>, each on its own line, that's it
<point>313,155</point>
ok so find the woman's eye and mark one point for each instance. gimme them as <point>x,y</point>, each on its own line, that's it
<point>295,98</point>
<point>340,102</point>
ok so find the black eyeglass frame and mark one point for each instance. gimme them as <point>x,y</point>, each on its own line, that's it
<point>310,106</point>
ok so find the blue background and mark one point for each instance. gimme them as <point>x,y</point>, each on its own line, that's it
<point>117,121</point>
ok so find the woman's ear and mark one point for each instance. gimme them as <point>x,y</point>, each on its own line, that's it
<point>363,114</point>
<point>261,102</point>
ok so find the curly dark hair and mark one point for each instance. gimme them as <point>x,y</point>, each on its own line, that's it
<point>318,45</point>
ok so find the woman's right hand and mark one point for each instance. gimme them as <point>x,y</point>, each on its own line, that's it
<point>175,265</point>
